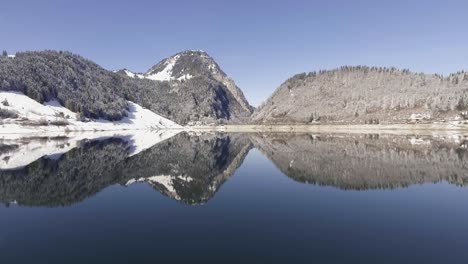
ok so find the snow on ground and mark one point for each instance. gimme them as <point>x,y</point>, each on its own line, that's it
<point>166,73</point>
<point>33,116</point>
<point>11,56</point>
<point>58,108</point>
<point>28,108</point>
<point>19,150</point>
<point>419,141</point>
<point>185,77</point>
<point>133,75</point>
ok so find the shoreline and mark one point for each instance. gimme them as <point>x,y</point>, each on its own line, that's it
<point>400,129</point>
<point>420,129</point>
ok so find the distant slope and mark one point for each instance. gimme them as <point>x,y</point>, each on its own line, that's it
<point>366,95</point>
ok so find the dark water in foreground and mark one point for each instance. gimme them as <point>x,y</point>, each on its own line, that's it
<point>240,199</point>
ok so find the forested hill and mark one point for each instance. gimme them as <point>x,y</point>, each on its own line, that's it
<point>77,83</point>
<point>366,95</point>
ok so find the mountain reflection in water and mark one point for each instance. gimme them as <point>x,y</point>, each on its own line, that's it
<point>192,168</point>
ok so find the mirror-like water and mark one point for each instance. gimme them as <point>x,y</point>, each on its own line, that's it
<point>234,197</point>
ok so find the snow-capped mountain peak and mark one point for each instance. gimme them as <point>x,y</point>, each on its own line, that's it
<point>183,66</point>
<point>195,63</point>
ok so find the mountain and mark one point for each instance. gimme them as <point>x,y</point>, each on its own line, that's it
<point>195,63</point>
<point>189,87</point>
<point>366,95</point>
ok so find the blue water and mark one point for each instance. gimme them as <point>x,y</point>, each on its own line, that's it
<point>259,215</point>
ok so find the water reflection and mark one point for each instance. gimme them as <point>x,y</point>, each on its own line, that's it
<point>185,168</point>
<point>61,171</point>
<point>368,161</point>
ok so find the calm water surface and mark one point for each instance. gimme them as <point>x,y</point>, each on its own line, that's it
<point>235,199</point>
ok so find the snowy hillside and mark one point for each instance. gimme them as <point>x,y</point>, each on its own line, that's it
<point>20,114</point>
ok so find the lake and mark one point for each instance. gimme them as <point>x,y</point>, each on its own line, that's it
<point>234,198</point>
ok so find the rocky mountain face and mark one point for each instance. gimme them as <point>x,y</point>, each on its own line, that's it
<point>366,95</point>
<point>190,87</point>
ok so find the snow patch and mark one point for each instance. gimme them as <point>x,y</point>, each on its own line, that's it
<point>58,108</point>
<point>133,75</point>
<point>213,68</point>
<point>166,73</point>
<point>185,77</point>
<point>419,141</point>
<point>28,108</point>
<point>418,117</point>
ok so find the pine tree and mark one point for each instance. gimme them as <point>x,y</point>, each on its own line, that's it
<point>4,53</point>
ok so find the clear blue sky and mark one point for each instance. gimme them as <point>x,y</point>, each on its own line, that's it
<point>258,43</point>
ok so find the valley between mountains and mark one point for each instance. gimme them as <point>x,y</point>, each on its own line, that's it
<point>56,91</point>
